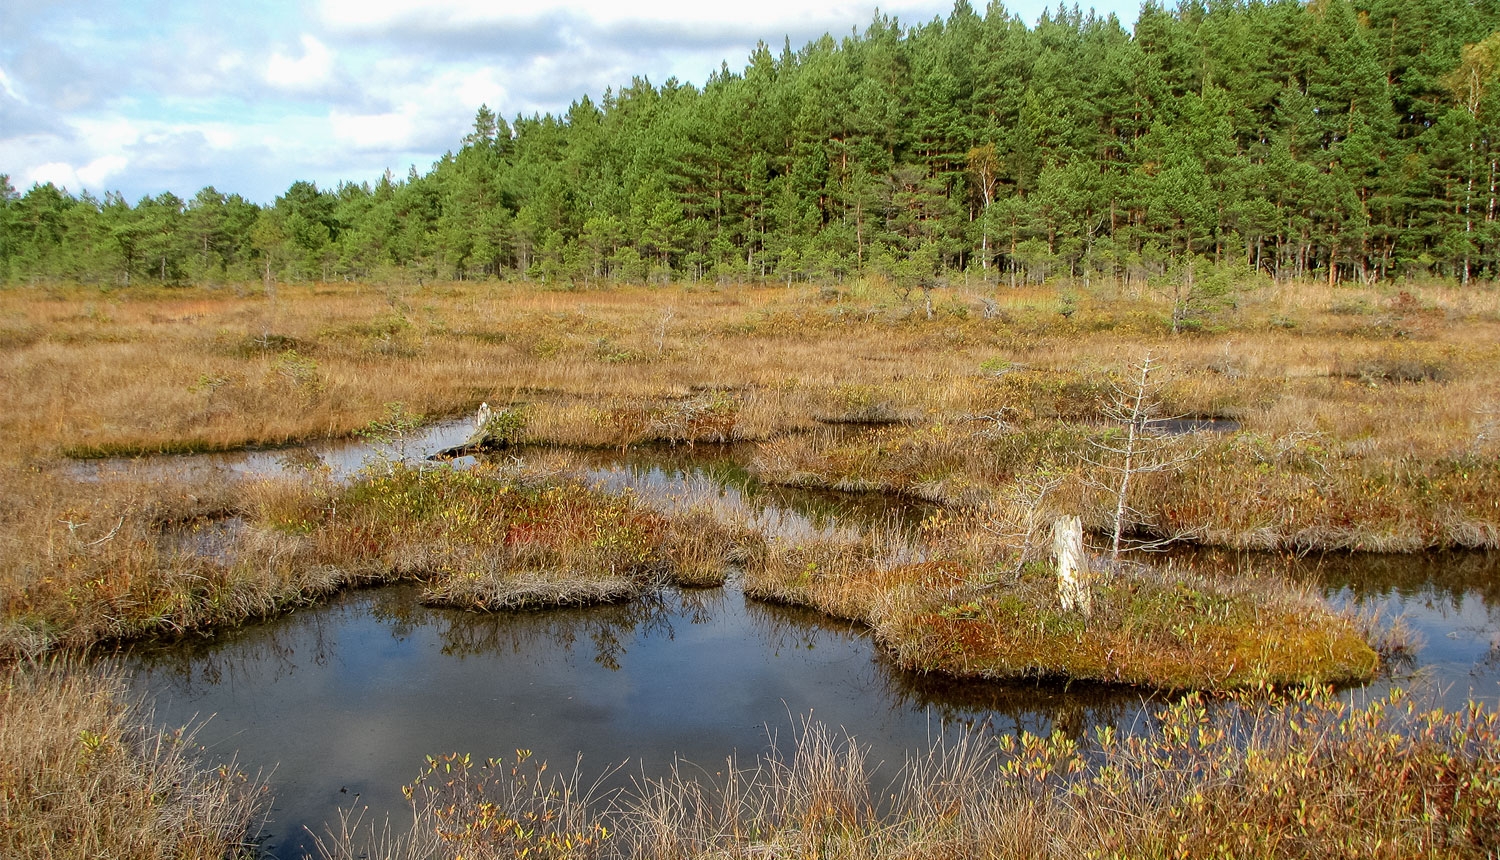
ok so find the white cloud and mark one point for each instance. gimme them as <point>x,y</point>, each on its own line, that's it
<point>56,172</point>
<point>9,87</point>
<point>766,15</point>
<point>96,172</point>
<point>309,72</point>
<point>92,175</point>
<point>254,96</point>
<point>373,131</point>
<point>480,86</point>
<point>108,131</point>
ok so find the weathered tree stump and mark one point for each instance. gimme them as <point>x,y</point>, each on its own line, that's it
<point>1073,577</point>
<point>481,439</point>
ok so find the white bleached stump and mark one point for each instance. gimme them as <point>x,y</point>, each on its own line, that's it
<point>480,437</point>
<point>1073,586</point>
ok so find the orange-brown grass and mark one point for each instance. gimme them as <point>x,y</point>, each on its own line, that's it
<point>127,557</point>
<point>86,372</point>
<point>1175,632</point>
<point>1368,415</point>
<point>84,774</point>
<point>1245,489</point>
<point>482,540</point>
<point>1299,776</point>
<point>87,561</point>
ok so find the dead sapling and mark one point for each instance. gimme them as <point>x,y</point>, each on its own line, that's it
<point>661,329</point>
<point>1020,516</point>
<point>1134,448</point>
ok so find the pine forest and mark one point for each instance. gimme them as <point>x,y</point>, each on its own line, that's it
<point>1332,140</point>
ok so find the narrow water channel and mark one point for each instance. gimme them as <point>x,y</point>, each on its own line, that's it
<point>340,703</point>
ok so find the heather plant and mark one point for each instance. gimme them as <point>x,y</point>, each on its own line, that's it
<point>964,601</point>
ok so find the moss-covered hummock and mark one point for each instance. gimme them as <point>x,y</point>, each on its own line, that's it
<point>1169,630</point>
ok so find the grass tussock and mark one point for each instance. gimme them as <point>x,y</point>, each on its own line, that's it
<point>1299,776</point>
<point>130,556</point>
<point>481,538</point>
<point>964,602</point>
<point>1341,394</point>
<point>83,774</point>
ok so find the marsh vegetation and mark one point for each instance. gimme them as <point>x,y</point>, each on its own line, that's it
<point>1330,430</point>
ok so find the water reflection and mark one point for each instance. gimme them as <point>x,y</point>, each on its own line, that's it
<point>716,475</point>
<point>342,457</point>
<point>607,630</point>
<point>1449,600</point>
<point>347,698</point>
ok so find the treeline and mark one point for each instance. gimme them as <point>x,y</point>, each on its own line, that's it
<point>1331,139</point>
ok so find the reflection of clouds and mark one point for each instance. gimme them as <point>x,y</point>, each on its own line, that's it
<point>671,479</point>
<point>796,628</point>
<point>257,654</point>
<point>353,693</point>
<point>682,478</point>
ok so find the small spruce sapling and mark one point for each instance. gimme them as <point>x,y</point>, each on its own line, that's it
<point>1197,288</point>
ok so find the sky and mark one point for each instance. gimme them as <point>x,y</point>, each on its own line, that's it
<point>145,96</point>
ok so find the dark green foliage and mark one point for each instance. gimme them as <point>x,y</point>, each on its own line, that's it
<point>1336,139</point>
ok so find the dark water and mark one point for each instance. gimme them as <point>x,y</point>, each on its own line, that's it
<point>341,703</point>
<point>345,700</point>
<point>1450,600</point>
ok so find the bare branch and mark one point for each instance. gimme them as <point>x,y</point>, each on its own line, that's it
<point>1139,451</point>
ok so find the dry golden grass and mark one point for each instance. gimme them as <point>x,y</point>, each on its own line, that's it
<point>132,556</point>
<point>89,561</point>
<point>152,370</point>
<point>84,774</point>
<point>1368,420</point>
